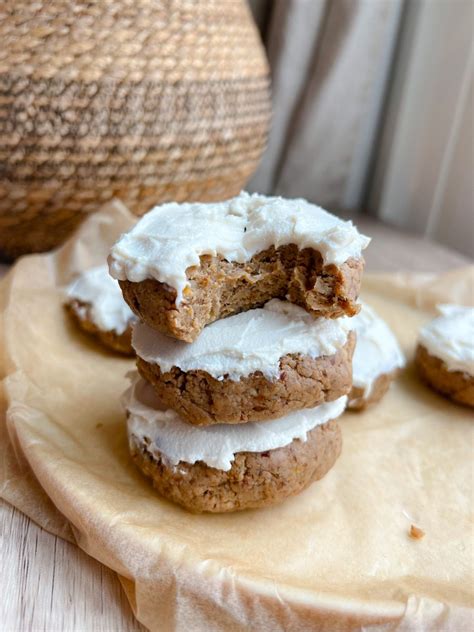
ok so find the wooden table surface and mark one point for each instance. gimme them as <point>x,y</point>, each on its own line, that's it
<point>49,585</point>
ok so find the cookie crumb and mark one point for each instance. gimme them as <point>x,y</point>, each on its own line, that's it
<point>416,533</point>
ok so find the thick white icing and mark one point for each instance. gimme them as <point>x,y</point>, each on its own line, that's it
<point>108,310</point>
<point>215,445</point>
<point>377,350</point>
<point>450,337</point>
<point>171,237</point>
<point>247,342</point>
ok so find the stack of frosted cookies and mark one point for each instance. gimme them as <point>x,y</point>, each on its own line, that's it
<point>244,346</point>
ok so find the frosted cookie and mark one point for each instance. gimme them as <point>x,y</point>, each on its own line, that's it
<point>95,303</point>
<point>256,365</point>
<point>184,266</point>
<point>225,468</point>
<point>377,359</point>
<point>445,353</point>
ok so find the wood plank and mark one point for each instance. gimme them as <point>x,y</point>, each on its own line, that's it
<point>49,585</point>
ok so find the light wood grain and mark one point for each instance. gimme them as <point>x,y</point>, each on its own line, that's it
<point>49,585</point>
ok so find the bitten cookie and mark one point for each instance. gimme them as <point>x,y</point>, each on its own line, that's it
<point>95,303</point>
<point>230,468</point>
<point>445,353</point>
<point>254,366</point>
<point>376,361</point>
<point>184,266</point>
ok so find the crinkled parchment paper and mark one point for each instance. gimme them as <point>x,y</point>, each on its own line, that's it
<point>336,557</point>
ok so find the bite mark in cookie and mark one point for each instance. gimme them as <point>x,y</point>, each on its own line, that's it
<point>221,259</point>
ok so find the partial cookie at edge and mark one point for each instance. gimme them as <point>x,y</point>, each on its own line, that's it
<point>255,479</point>
<point>79,312</point>
<point>359,400</point>
<point>219,288</point>
<point>455,385</point>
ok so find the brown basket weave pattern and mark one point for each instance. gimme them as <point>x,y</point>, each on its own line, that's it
<point>143,100</point>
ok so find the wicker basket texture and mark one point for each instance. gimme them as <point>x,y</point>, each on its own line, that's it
<point>143,100</point>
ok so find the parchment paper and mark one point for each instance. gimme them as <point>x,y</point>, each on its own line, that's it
<point>337,557</point>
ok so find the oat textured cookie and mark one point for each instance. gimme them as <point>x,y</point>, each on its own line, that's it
<point>253,366</point>
<point>377,359</point>
<point>94,302</point>
<point>445,353</point>
<point>224,258</point>
<point>230,468</point>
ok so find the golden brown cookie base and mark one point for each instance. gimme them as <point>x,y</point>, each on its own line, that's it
<point>357,398</point>
<point>305,382</point>
<point>455,385</point>
<point>219,288</point>
<point>80,314</point>
<point>256,479</point>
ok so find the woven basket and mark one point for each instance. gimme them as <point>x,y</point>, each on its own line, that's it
<point>144,100</point>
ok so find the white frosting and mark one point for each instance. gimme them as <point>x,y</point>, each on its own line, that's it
<point>171,237</point>
<point>108,310</point>
<point>216,445</point>
<point>450,337</point>
<point>242,344</point>
<point>377,350</point>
